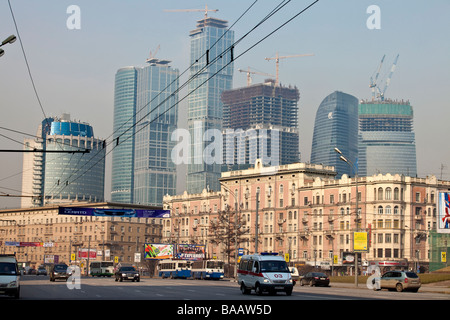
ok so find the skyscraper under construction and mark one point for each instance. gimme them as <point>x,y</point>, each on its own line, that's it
<point>386,138</point>
<point>260,121</point>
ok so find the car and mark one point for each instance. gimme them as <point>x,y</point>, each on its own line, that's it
<point>315,279</point>
<point>399,280</point>
<point>9,276</point>
<point>59,271</point>
<point>41,271</point>
<point>294,274</point>
<point>127,273</point>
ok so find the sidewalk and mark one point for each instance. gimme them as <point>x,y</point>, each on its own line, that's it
<point>438,287</point>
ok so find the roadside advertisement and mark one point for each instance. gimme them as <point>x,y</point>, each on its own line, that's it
<point>125,213</point>
<point>360,241</point>
<point>190,252</point>
<point>443,216</point>
<point>83,253</point>
<point>158,251</point>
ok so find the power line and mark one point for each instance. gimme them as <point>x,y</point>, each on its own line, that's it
<point>218,57</point>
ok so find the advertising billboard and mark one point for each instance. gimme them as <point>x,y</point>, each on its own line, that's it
<point>360,242</point>
<point>443,216</point>
<point>158,251</point>
<point>190,252</point>
<point>125,213</point>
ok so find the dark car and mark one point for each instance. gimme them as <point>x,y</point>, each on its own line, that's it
<point>41,271</point>
<point>315,279</point>
<point>59,271</point>
<point>127,273</point>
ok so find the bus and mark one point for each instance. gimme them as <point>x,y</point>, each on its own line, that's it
<point>172,269</point>
<point>101,268</point>
<point>208,269</point>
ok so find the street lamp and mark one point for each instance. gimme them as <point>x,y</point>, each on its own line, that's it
<point>357,209</point>
<point>10,39</point>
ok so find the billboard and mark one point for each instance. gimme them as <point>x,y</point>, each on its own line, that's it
<point>360,241</point>
<point>125,213</point>
<point>158,251</point>
<point>443,216</point>
<point>190,252</point>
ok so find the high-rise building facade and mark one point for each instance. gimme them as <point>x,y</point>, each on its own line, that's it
<point>211,72</point>
<point>122,178</point>
<point>55,175</point>
<point>386,138</point>
<point>145,115</point>
<point>156,119</point>
<point>258,121</point>
<point>336,126</point>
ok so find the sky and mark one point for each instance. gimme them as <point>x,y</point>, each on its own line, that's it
<point>73,69</point>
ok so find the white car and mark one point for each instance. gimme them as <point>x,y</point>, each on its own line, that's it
<point>9,276</point>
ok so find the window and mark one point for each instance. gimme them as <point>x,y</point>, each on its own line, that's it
<point>388,194</point>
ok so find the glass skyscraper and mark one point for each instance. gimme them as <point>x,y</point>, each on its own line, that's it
<point>336,126</point>
<point>211,72</point>
<point>122,178</point>
<point>386,138</point>
<point>62,177</point>
<point>145,115</point>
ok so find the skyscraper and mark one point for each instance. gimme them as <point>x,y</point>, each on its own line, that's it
<point>156,119</point>
<point>122,177</point>
<point>211,72</point>
<point>386,138</point>
<point>54,177</point>
<point>257,110</point>
<point>145,115</point>
<point>336,126</point>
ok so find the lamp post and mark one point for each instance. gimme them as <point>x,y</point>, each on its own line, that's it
<point>341,157</point>
<point>10,39</point>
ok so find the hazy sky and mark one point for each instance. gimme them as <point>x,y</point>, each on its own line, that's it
<point>74,69</point>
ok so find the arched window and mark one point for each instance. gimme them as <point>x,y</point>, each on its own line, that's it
<point>388,193</point>
<point>396,194</point>
<point>380,209</point>
<point>388,210</point>
<point>380,193</point>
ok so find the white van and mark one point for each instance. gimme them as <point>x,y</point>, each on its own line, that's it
<point>9,276</point>
<point>262,273</point>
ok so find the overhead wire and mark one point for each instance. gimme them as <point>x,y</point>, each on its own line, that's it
<point>216,59</point>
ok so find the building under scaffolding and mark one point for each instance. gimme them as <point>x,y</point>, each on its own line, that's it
<point>263,115</point>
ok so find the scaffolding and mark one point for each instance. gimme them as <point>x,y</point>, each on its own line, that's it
<point>439,250</point>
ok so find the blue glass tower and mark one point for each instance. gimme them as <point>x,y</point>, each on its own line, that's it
<point>145,115</point>
<point>210,40</point>
<point>156,120</point>
<point>386,138</point>
<point>122,177</point>
<point>64,177</point>
<point>336,126</point>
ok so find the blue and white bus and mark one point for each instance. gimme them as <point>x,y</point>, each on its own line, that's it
<point>208,269</point>
<point>173,269</point>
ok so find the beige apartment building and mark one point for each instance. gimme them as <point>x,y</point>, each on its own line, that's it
<point>304,213</point>
<point>40,235</point>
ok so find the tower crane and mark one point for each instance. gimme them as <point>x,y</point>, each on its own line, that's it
<point>388,81</point>
<point>249,79</point>
<point>277,61</point>
<point>373,82</point>
<point>206,10</point>
<point>375,87</point>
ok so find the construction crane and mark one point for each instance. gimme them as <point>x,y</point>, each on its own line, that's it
<point>373,82</point>
<point>277,61</point>
<point>249,79</point>
<point>206,10</point>
<point>375,87</point>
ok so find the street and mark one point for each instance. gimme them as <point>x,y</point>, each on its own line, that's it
<point>40,288</point>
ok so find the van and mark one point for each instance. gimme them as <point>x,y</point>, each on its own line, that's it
<point>9,276</point>
<point>264,273</point>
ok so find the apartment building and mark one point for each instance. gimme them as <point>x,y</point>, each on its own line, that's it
<point>43,236</point>
<point>302,210</point>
